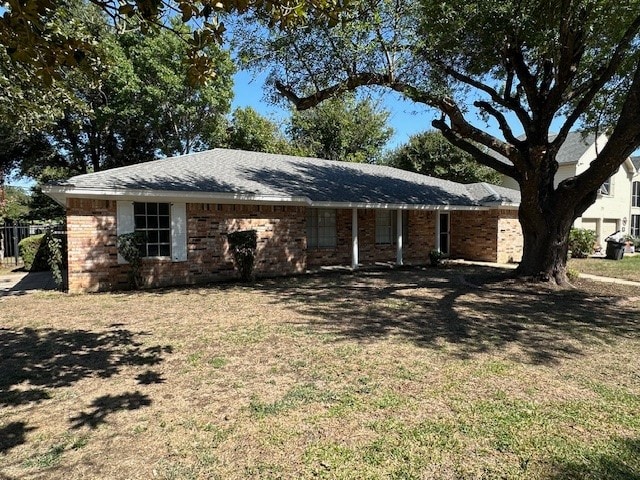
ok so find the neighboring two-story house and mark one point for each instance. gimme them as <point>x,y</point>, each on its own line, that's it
<point>634,225</point>
<point>610,212</point>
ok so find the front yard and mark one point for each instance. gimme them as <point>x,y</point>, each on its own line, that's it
<point>421,373</point>
<point>628,268</point>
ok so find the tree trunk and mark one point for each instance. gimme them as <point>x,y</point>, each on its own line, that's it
<point>546,217</point>
<point>546,245</point>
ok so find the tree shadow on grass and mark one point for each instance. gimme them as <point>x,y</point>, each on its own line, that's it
<point>472,309</point>
<point>622,461</point>
<point>12,435</point>
<point>107,404</point>
<point>36,361</point>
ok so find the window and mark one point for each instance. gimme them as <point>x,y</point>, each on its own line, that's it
<point>635,226</point>
<point>635,195</point>
<point>153,219</point>
<point>387,227</point>
<point>321,228</point>
<point>444,233</point>
<point>605,188</point>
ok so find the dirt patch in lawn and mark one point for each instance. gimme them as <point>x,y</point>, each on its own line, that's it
<point>417,373</point>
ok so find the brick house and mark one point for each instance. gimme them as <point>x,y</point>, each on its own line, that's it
<point>308,213</point>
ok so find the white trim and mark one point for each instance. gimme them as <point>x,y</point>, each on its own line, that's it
<point>178,232</point>
<point>125,222</point>
<point>61,193</point>
<point>354,237</point>
<point>399,259</point>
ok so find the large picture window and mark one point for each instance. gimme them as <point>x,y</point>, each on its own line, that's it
<point>635,196</point>
<point>154,221</point>
<point>321,228</point>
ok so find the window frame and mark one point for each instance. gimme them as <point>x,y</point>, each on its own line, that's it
<point>153,219</point>
<point>386,225</point>
<point>634,227</point>
<point>322,231</point>
<point>635,194</point>
<point>606,189</point>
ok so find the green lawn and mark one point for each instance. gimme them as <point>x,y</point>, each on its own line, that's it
<point>628,268</point>
<point>447,373</point>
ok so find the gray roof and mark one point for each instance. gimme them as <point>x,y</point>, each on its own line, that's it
<point>636,163</point>
<point>574,146</point>
<point>225,171</point>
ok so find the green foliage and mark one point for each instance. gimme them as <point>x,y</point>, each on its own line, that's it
<point>581,242</point>
<point>429,153</point>
<point>130,248</point>
<point>133,103</point>
<point>435,257</point>
<point>16,204</point>
<point>242,245</point>
<point>33,252</point>
<point>342,129</point>
<point>251,131</point>
<point>55,254</point>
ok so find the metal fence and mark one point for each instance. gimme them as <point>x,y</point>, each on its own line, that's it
<point>10,236</point>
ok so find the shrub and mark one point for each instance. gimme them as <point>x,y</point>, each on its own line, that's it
<point>243,244</point>
<point>581,242</point>
<point>572,274</point>
<point>435,257</point>
<point>33,252</point>
<point>55,254</point>
<point>129,247</point>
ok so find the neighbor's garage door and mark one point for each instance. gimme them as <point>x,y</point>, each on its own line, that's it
<point>609,226</point>
<point>590,224</point>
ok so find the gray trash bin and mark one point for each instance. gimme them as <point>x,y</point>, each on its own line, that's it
<point>615,250</point>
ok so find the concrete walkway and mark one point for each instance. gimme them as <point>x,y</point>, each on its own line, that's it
<point>22,283</point>
<point>588,276</point>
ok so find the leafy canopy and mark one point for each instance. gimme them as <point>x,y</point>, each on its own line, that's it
<point>429,153</point>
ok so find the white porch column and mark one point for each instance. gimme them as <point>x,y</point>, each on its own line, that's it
<point>399,237</point>
<point>354,237</point>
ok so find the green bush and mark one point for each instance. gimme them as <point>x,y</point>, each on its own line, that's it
<point>581,242</point>
<point>55,255</point>
<point>435,257</point>
<point>129,247</point>
<point>243,244</point>
<point>34,253</point>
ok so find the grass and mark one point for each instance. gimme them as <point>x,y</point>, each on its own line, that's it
<point>628,268</point>
<point>405,374</point>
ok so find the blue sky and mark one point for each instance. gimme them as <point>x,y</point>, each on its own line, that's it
<point>406,118</point>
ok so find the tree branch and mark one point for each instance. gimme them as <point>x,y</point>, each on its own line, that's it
<point>502,121</point>
<point>477,153</point>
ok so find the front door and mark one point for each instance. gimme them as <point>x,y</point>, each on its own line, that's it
<point>443,233</point>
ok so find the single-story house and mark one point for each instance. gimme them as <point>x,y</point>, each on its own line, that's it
<point>308,213</point>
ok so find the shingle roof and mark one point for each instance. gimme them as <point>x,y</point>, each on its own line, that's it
<point>241,172</point>
<point>636,163</point>
<point>574,146</point>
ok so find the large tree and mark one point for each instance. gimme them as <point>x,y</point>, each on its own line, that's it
<point>134,104</point>
<point>429,153</point>
<point>527,66</point>
<point>345,129</point>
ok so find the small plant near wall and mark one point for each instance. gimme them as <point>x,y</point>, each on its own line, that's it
<point>243,244</point>
<point>55,256</point>
<point>435,257</point>
<point>581,242</point>
<point>129,247</point>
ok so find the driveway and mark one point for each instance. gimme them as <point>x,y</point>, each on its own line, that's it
<point>21,283</point>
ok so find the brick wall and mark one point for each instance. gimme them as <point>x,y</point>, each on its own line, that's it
<point>93,256</point>
<point>510,240</point>
<point>93,265</point>
<point>93,259</point>
<point>473,235</point>
<point>489,236</point>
